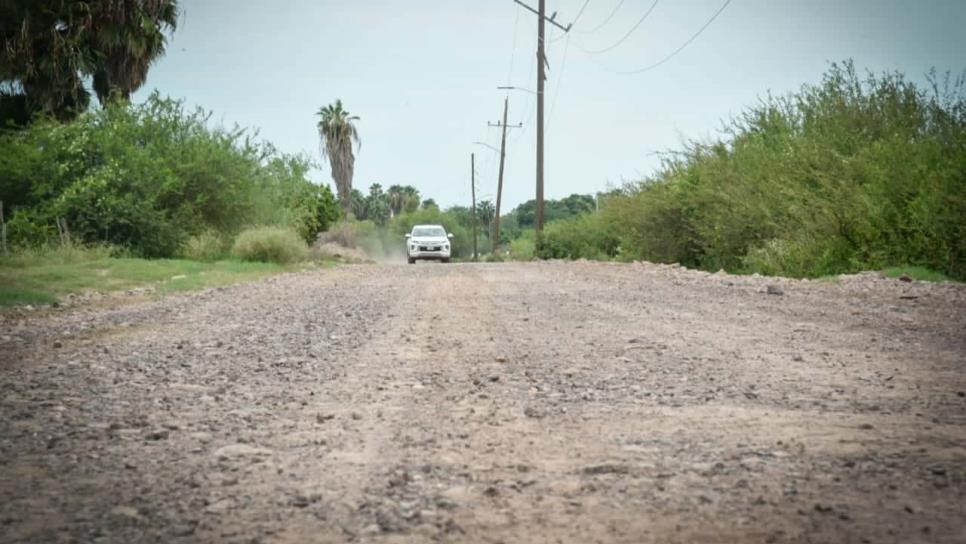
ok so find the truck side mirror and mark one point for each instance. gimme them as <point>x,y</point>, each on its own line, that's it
<point>408,235</point>
<point>450,236</point>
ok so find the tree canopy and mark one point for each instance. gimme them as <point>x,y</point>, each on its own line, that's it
<point>48,48</point>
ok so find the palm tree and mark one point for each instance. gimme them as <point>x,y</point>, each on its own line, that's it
<point>48,48</point>
<point>357,204</point>
<point>485,212</point>
<point>130,36</point>
<point>377,205</point>
<point>337,132</point>
<point>397,199</point>
<point>411,202</point>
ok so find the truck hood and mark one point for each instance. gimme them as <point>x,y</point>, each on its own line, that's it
<point>438,240</point>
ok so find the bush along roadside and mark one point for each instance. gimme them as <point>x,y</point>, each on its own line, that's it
<point>270,245</point>
<point>854,173</point>
<point>153,178</point>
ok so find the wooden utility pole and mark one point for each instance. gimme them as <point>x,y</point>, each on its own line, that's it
<point>542,18</point>
<point>473,192</point>
<point>495,235</point>
<point>541,78</point>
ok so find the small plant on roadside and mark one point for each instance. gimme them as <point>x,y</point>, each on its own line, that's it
<point>522,249</point>
<point>270,244</point>
<point>205,247</point>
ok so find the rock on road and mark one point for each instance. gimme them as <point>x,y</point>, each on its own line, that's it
<point>537,402</point>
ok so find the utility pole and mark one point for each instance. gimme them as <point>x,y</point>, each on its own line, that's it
<point>495,236</point>
<point>541,78</point>
<point>542,18</point>
<point>473,192</point>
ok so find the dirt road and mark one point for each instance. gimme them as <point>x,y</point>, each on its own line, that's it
<point>543,402</point>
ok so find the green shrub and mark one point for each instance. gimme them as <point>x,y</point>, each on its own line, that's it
<point>288,199</point>
<point>799,258</point>
<point>206,247</point>
<point>522,248</point>
<point>270,244</point>
<point>147,176</point>
<point>850,174</point>
<point>27,229</point>
<point>582,237</point>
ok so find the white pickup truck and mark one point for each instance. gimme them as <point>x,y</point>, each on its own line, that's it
<point>428,242</point>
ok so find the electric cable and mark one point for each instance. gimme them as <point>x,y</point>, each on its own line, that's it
<point>607,20</point>
<point>679,49</point>
<point>624,38</point>
<point>513,52</point>
<point>556,90</point>
<point>572,23</point>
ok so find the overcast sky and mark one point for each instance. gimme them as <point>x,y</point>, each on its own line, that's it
<point>422,75</point>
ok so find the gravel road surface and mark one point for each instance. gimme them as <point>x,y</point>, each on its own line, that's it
<point>536,402</point>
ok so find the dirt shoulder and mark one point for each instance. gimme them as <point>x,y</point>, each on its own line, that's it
<point>557,402</point>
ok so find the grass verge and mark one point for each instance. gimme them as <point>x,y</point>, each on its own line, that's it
<point>43,281</point>
<point>917,273</point>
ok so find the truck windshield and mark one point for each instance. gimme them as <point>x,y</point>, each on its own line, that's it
<point>427,232</point>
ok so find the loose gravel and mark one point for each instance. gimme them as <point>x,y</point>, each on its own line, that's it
<point>511,402</point>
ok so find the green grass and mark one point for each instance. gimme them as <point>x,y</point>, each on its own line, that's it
<point>43,278</point>
<point>12,296</point>
<point>918,273</point>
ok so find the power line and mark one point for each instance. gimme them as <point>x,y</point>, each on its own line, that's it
<point>628,35</point>
<point>516,137</point>
<point>556,90</point>
<point>513,52</point>
<point>530,108</point>
<point>607,20</point>
<point>679,49</point>
<point>577,18</point>
<point>579,13</point>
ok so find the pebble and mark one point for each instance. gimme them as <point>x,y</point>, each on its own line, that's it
<point>534,412</point>
<point>157,434</point>
<point>125,512</point>
<point>606,468</point>
<point>239,450</point>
